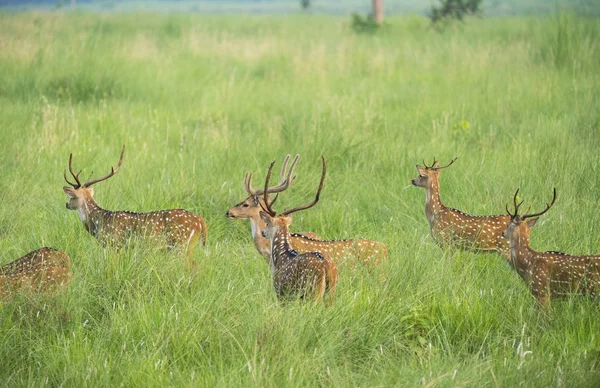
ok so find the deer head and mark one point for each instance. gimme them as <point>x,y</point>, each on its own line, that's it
<point>251,207</point>
<point>428,174</point>
<point>520,225</point>
<point>79,193</point>
<point>282,221</point>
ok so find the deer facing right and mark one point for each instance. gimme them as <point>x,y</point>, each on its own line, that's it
<point>304,275</point>
<point>548,274</point>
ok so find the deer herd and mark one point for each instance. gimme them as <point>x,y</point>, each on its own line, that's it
<point>302,264</point>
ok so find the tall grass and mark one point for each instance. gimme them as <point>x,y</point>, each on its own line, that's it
<point>201,100</point>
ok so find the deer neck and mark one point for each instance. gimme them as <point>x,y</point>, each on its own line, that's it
<point>261,243</point>
<point>281,248</point>
<point>91,215</point>
<point>433,203</point>
<point>521,254</point>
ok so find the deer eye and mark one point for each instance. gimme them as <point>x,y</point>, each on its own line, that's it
<point>245,205</point>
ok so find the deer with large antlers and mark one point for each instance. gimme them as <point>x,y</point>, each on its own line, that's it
<point>43,270</point>
<point>365,251</point>
<point>304,275</point>
<point>250,208</point>
<point>178,227</point>
<point>548,274</point>
<point>453,227</point>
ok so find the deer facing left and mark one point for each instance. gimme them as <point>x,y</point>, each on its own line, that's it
<point>550,274</point>
<point>453,227</point>
<point>304,275</point>
<point>177,227</point>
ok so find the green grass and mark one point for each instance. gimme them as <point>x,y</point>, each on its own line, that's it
<point>201,100</point>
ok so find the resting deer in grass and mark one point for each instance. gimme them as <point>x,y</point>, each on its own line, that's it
<point>548,274</point>
<point>43,270</point>
<point>304,275</point>
<point>452,227</point>
<point>114,228</point>
<point>366,251</point>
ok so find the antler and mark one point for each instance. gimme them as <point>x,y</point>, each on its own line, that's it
<point>284,180</point>
<point>516,205</point>
<point>448,165</point>
<point>76,176</point>
<point>313,203</point>
<point>435,162</point>
<point>268,203</point>
<point>113,171</point>
<point>548,206</point>
<point>432,165</point>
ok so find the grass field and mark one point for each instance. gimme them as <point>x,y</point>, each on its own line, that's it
<point>201,100</point>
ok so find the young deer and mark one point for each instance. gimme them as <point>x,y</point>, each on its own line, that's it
<point>250,208</point>
<point>308,274</point>
<point>179,227</point>
<point>41,271</point>
<point>452,227</point>
<point>366,251</point>
<point>548,274</point>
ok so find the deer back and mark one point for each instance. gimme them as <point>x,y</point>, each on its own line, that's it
<point>306,275</point>
<point>341,251</point>
<point>177,227</point>
<point>482,233</point>
<point>556,274</point>
<point>40,270</point>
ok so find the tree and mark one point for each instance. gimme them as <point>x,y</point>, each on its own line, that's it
<point>455,9</point>
<point>378,11</point>
<point>305,4</point>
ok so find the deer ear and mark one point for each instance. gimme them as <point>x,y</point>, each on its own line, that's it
<point>265,217</point>
<point>70,192</point>
<point>421,170</point>
<point>531,222</point>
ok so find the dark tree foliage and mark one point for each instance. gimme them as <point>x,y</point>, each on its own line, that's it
<point>364,24</point>
<point>454,9</point>
<point>305,4</point>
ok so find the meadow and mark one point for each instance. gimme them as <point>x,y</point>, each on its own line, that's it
<point>201,100</point>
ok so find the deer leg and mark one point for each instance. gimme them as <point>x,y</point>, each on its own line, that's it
<point>319,289</point>
<point>331,273</point>
<point>541,291</point>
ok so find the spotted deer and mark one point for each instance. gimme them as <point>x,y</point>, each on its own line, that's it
<point>548,274</point>
<point>43,271</point>
<point>304,275</point>
<point>453,227</point>
<point>115,228</point>
<point>365,251</point>
<point>251,207</point>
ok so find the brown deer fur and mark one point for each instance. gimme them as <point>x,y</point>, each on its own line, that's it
<point>453,227</point>
<point>549,274</point>
<point>365,251</point>
<point>250,208</point>
<point>177,227</point>
<point>42,270</point>
<point>304,275</point>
